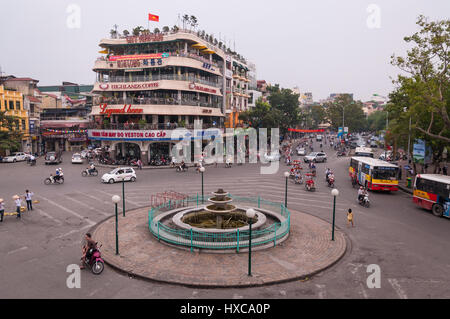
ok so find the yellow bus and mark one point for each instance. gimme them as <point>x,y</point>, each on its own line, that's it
<point>374,174</point>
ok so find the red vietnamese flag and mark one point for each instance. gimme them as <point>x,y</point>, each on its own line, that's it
<point>152,17</point>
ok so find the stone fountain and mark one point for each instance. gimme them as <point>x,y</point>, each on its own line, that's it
<point>220,206</point>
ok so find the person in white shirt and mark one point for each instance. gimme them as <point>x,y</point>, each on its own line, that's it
<point>18,203</point>
<point>2,209</point>
<point>361,193</point>
<point>28,199</point>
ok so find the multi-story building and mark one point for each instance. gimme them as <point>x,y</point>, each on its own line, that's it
<point>64,116</point>
<point>238,99</point>
<point>30,109</point>
<point>153,83</point>
<point>11,102</point>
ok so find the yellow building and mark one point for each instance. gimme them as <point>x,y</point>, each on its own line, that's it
<point>12,102</point>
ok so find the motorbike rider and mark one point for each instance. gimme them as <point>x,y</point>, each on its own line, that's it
<point>361,193</point>
<point>327,173</point>
<point>182,165</point>
<point>58,174</point>
<point>32,159</point>
<point>330,178</point>
<point>91,168</point>
<point>88,248</point>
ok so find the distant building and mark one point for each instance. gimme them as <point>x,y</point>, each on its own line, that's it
<point>334,96</point>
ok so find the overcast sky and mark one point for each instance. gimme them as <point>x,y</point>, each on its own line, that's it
<point>323,47</point>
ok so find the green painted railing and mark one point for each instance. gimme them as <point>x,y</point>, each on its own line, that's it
<point>232,240</point>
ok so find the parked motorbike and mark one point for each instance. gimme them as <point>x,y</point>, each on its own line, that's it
<point>95,262</point>
<point>32,162</point>
<point>298,180</point>
<point>88,172</point>
<point>364,201</point>
<point>341,153</point>
<point>228,164</point>
<point>55,180</point>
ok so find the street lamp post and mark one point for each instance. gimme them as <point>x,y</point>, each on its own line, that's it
<point>202,170</point>
<point>123,195</point>
<point>116,200</point>
<point>286,174</point>
<point>335,193</point>
<point>250,214</point>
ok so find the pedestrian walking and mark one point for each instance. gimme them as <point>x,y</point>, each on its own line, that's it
<point>350,217</point>
<point>29,200</point>
<point>400,172</point>
<point>2,210</point>
<point>444,170</point>
<point>18,203</point>
<point>139,162</point>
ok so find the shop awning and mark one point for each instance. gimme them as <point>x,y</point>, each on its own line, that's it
<point>208,51</point>
<point>199,46</point>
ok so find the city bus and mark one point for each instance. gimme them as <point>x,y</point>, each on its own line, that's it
<point>364,152</point>
<point>432,192</point>
<point>374,174</point>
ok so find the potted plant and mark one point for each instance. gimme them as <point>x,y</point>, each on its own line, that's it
<point>142,124</point>
<point>106,123</point>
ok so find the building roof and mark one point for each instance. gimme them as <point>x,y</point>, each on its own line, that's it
<point>33,99</point>
<point>21,79</point>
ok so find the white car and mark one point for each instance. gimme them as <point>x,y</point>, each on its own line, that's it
<point>77,159</point>
<point>301,151</point>
<point>273,157</point>
<point>119,174</point>
<point>15,157</point>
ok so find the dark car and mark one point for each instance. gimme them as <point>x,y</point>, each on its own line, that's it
<point>52,158</point>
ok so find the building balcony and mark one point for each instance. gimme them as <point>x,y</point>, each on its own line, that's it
<point>161,101</point>
<point>160,77</point>
<point>147,126</point>
<point>182,59</point>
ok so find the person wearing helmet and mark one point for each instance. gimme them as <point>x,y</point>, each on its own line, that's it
<point>360,193</point>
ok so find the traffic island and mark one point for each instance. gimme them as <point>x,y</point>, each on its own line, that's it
<point>307,251</point>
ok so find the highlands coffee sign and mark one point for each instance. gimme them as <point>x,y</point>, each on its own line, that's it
<point>128,86</point>
<point>127,109</point>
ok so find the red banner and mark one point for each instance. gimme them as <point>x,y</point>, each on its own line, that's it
<point>306,131</point>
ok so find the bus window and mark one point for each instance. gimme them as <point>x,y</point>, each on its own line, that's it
<point>386,173</point>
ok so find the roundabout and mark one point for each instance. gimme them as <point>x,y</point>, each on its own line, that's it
<point>293,247</point>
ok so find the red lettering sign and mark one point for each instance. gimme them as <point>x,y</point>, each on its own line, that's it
<point>127,109</point>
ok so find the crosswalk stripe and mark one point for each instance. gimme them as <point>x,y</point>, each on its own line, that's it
<point>86,205</point>
<point>91,223</point>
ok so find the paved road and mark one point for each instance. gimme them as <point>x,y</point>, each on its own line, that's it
<point>410,245</point>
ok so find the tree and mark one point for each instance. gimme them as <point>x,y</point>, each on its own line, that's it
<point>318,116</point>
<point>427,87</point>
<point>156,30</point>
<point>175,29</point>
<point>166,29</point>
<point>345,109</point>
<point>126,33</point>
<point>185,20</point>
<point>193,22</point>
<point>286,102</point>
<point>137,31</point>
<point>113,33</point>
<point>10,139</point>
<point>376,121</point>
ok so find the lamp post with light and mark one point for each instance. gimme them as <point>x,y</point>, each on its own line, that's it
<point>123,195</point>
<point>116,200</point>
<point>250,215</point>
<point>286,175</point>
<point>335,194</point>
<point>202,170</point>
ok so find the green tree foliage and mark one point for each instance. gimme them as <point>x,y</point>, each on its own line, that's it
<point>10,139</point>
<point>352,112</point>
<point>426,88</point>
<point>376,121</point>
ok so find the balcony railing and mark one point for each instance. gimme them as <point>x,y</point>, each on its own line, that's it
<point>161,101</point>
<point>159,77</point>
<point>147,126</point>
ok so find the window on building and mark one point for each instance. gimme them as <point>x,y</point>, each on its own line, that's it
<point>17,105</point>
<point>11,105</point>
<point>23,125</point>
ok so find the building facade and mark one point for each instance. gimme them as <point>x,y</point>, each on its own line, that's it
<point>64,116</point>
<point>151,84</point>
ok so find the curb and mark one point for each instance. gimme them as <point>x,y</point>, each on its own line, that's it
<point>405,189</point>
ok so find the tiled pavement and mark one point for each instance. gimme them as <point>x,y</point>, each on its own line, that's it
<point>308,250</point>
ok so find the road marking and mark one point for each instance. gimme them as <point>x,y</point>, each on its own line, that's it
<point>91,223</point>
<point>363,291</point>
<point>398,289</point>
<point>127,200</point>
<point>49,216</point>
<point>72,232</point>
<point>17,250</point>
<point>322,293</point>
<point>87,206</point>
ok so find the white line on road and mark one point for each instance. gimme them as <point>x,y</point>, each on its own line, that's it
<point>91,223</point>
<point>87,206</point>
<point>17,250</point>
<point>398,289</point>
<point>72,232</point>
<point>322,293</point>
<point>126,200</point>
<point>49,216</point>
